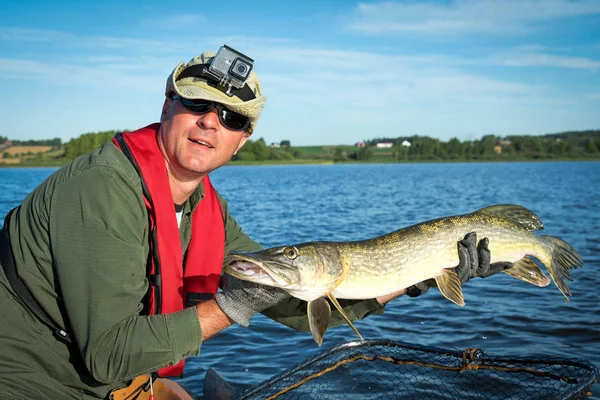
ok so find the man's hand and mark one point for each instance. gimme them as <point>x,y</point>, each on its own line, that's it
<point>474,261</point>
<point>240,300</point>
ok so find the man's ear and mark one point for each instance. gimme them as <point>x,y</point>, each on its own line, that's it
<point>243,141</point>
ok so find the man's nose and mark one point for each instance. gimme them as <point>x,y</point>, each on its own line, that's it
<point>210,120</point>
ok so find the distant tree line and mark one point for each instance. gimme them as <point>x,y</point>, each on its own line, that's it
<point>558,145</point>
<point>252,150</point>
<point>565,145</point>
<point>571,144</point>
<point>259,151</point>
<point>86,143</point>
<point>56,142</point>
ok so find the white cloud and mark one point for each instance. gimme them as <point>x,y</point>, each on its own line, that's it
<point>69,74</point>
<point>548,60</point>
<point>465,16</point>
<point>306,74</point>
<point>348,88</point>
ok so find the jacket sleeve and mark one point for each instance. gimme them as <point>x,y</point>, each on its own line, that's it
<point>292,312</point>
<point>99,240</point>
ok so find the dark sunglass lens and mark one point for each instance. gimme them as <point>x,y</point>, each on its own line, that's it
<point>233,120</point>
<point>230,119</point>
<point>197,106</point>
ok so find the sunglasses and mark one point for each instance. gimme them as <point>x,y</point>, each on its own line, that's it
<point>230,119</point>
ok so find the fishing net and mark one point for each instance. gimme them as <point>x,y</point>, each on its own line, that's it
<point>381,369</point>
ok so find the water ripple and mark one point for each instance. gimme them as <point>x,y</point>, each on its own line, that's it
<point>290,204</point>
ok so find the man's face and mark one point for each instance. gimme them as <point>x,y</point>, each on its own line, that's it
<point>195,144</point>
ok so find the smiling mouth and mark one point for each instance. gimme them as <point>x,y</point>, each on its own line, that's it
<point>200,142</point>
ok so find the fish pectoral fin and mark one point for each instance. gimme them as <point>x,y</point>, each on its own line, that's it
<point>449,285</point>
<point>341,310</point>
<point>527,270</point>
<point>319,314</point>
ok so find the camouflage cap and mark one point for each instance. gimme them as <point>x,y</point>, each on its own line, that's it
<point>196,87</point>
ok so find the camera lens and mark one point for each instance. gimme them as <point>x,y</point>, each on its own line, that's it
<point>240,69</point>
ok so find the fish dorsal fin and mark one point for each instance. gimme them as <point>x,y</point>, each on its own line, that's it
<point>516,214</point>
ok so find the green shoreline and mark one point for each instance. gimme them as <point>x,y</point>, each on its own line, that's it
<point>565,146</point>
<point>329,162</point>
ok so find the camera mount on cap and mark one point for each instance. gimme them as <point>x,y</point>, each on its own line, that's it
<point>230,69</point>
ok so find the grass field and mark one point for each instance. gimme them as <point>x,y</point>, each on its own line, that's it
<point>16,150</point>
<point>10,160</point>
<point>18,153</point>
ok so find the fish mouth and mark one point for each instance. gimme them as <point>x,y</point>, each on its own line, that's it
<point>250,268</point>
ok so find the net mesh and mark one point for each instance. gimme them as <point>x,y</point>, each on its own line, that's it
<point>382,369</point>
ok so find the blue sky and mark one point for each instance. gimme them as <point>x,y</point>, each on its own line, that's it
<point>334,72</point>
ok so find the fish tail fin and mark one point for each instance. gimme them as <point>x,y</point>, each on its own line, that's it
<point>527,270</point>
<point>564,258</point>
<point>449,285</point>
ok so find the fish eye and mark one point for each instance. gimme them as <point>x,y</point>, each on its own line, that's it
<point>290,252</point>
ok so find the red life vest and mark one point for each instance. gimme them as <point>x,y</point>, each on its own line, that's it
<point>172,285</point>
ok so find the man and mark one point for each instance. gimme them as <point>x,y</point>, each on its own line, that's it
<point>112,264</point>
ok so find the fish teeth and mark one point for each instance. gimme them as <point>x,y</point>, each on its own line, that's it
<point>246,268</point>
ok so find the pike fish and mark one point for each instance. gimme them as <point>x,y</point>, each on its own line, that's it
<point>317,271</point>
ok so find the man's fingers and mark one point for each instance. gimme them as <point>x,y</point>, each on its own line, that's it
<point>497,267</point>
<point>484,258</point>
<point>483,245</point>
<point>469,240</point>
<point>470,243</point>
<point>464,256</point>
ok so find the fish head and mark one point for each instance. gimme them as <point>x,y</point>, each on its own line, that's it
<point>307,271</point>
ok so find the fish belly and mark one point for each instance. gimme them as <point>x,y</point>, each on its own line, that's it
<point>366,284</point>
<point>392,263</point>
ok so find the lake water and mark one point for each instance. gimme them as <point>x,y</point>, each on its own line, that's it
<point>280,205</point>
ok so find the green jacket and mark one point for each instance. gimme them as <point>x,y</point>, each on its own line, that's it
<point>80,242</point>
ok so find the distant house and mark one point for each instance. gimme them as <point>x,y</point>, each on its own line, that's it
<point>501,144</point>
<point>384,145</point>
<point>406,143</point>
<point>7,143</point>
<point>275,145</point>
<point>360,144</point>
